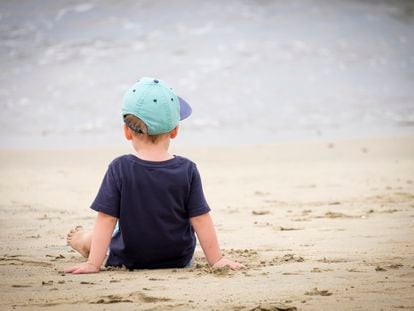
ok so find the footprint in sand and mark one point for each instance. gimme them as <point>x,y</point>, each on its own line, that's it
<point>13,261</point>
<point>259,213</point>
<point>289,229</point>
<point>130,298</point>
<point>332,215</point>
<point>111,299</point>
<point>333,260</point>
<point>87,283</point>
<point>273,307</point>
<point>317,292</point>
<point>395,266</point>
<point>261,193</point>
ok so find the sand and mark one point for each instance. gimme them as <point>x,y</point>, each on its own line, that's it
<point>321,226</point>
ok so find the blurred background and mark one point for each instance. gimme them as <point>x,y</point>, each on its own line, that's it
<point>254,71</point>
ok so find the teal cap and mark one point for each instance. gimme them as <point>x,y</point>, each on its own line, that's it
<point>156,104</point>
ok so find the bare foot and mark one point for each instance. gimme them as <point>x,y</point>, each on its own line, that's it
<point>80,240</point>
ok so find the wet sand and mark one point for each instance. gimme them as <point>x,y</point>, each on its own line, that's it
<point>321,226</point>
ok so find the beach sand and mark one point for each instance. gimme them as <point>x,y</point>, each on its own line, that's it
<point>321,226</point>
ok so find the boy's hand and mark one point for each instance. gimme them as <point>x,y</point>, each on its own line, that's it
<point>224,262</point>
<point>82,268</point>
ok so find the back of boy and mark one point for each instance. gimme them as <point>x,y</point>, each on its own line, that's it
<point>153,202</point>
<point>156,198</point>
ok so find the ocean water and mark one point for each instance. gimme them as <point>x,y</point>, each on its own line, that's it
<point>254,71</point>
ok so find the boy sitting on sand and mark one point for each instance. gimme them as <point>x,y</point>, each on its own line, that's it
<point>156,198</point>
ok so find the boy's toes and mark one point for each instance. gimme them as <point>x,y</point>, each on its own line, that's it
<point>72,232</point>
<point>68,238</point>
<point>69,235</point>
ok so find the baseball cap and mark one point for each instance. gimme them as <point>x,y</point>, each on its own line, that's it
<point>156,104</point>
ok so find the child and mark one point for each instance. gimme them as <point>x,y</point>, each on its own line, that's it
<point>156,198</point>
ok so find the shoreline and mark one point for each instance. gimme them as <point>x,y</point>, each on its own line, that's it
<point>199,139</point>
<point>334,215</point>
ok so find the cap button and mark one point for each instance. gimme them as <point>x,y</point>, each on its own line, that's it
<point>156,81</point>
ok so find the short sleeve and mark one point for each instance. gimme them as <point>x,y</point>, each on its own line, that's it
<point>196,203</point>
<point>107,200</point>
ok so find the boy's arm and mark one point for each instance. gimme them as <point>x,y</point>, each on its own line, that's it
<point>206,233</point>
<point>101,237</point>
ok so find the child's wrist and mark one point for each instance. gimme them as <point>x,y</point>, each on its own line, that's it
<point>217,260</point>
<point>98,267</point>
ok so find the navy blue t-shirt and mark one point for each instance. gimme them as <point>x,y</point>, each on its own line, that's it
<point>154,202</point>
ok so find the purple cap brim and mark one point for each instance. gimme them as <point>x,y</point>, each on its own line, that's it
<point>185,109</point>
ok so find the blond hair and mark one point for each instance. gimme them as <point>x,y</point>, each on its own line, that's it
<point>138,127</point>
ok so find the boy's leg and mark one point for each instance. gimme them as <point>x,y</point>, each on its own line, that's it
<point>80,240</point>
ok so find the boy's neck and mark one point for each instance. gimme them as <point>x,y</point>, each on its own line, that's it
<point>152,151</point>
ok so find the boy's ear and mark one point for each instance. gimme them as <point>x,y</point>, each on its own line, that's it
<point>174,132</point>
<point>127,132</point>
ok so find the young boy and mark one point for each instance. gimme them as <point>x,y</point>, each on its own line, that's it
<point>155,197</point>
